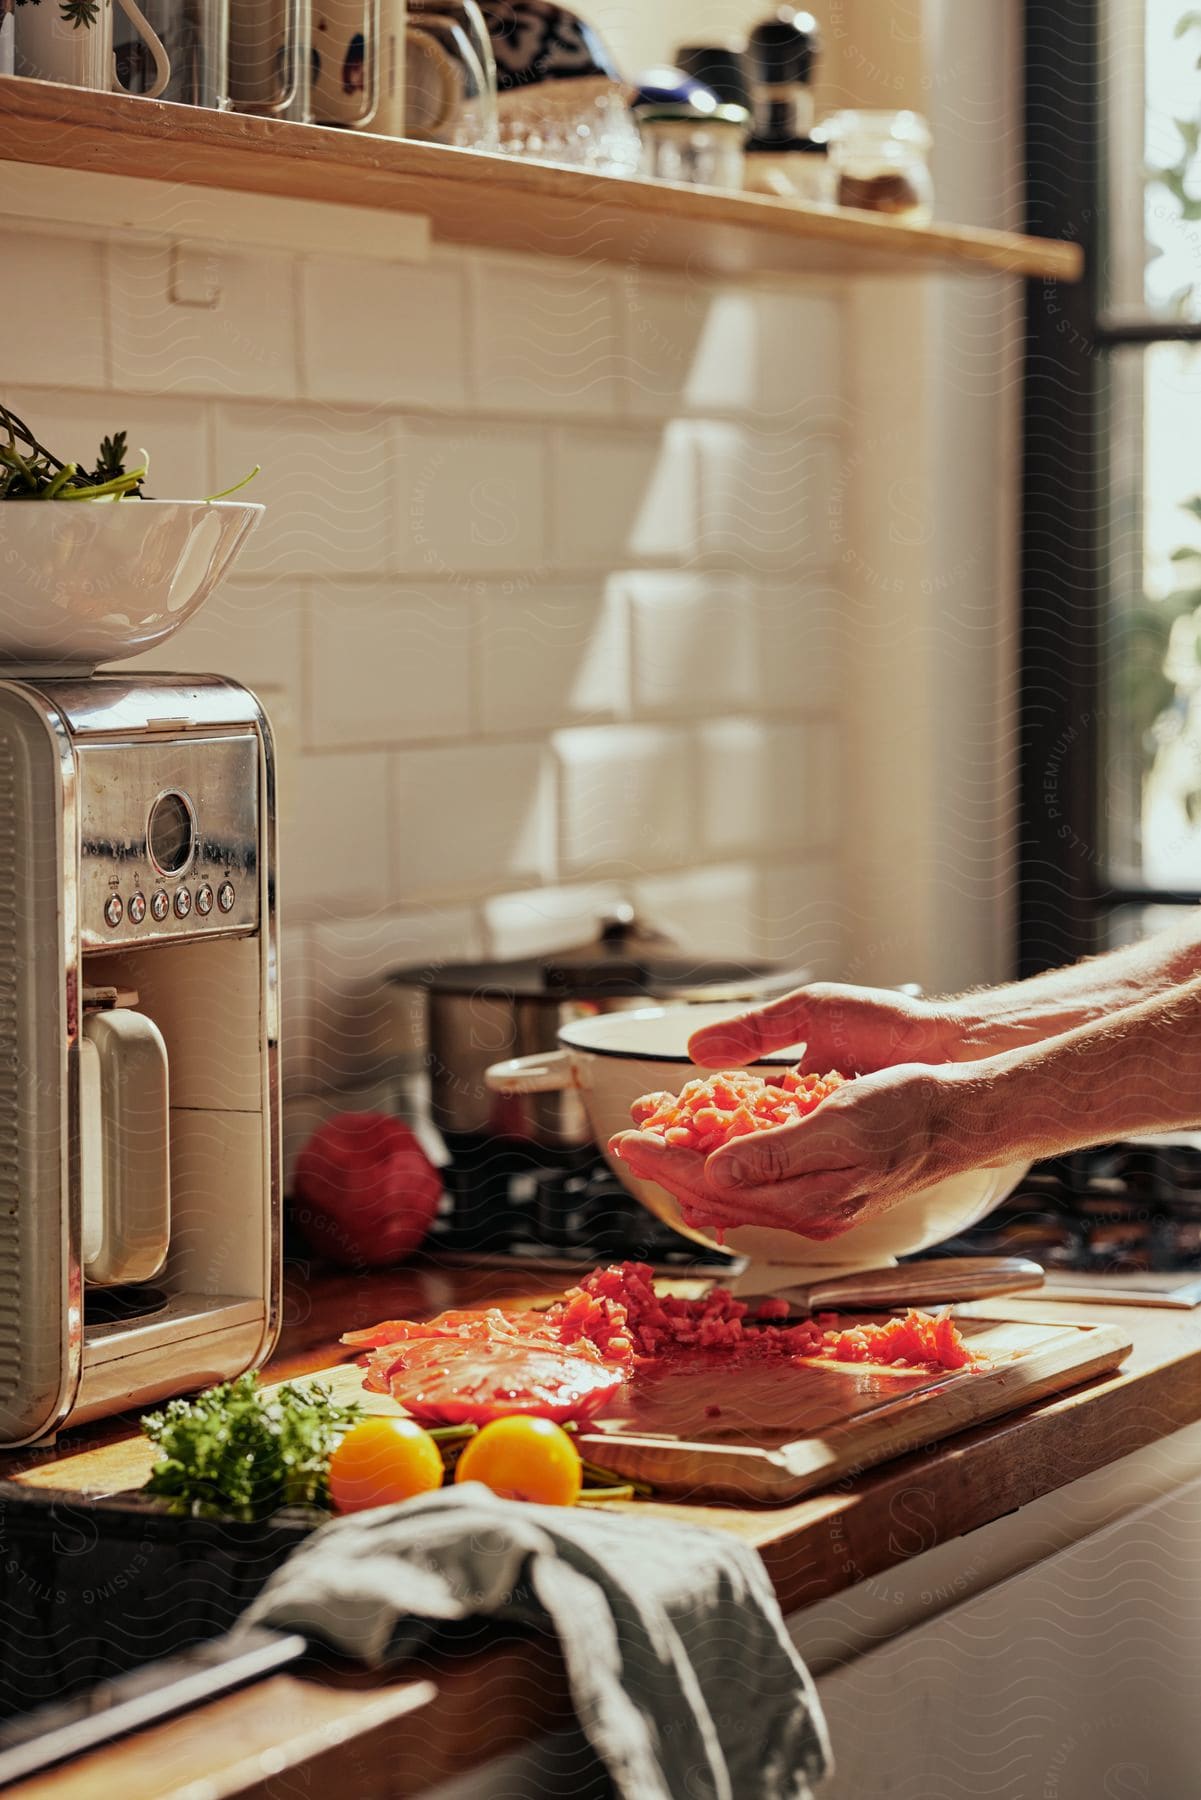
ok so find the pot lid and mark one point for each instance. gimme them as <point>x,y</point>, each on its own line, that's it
<point>626,959</point>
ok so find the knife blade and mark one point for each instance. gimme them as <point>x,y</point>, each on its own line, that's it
<point>936,1281</point>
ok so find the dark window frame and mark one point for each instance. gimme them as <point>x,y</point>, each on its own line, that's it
<point>1065,897</point>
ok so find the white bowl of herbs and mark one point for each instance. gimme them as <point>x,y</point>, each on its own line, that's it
<point>91,571</point>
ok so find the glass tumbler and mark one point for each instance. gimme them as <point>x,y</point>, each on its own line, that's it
<point>270,58</point>
<point>195,35</point>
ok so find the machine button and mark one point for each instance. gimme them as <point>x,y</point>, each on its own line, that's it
<point>183,903</point>
<point>160,905</point>
<point>114,908</point>
<point>137,908</point>
<point>204,900</point>
<point>226,896</point>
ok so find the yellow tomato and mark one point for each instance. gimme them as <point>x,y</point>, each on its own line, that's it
<point>381,1460</point>
<point>522,1458</point>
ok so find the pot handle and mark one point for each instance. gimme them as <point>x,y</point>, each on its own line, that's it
<point>548,1073</point>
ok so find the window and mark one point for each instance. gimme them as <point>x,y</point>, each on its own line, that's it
<point>1111,566</point>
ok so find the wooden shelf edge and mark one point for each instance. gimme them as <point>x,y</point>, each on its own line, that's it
<point>496,202</point>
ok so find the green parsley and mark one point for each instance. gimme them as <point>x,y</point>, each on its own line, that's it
<point>237,1451</point>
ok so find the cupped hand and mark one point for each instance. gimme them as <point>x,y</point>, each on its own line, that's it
<point>853,1029</point>
<point>867,1146</point>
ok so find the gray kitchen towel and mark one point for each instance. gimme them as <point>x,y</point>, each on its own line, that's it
<point>681,1670</point>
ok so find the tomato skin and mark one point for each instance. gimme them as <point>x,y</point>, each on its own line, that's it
<point>364,1191</point>
<point>522,1458</point>
<point>380,1461</point>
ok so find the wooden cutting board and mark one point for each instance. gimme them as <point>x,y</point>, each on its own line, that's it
<point>780,1431</point>
<point>705,1430</point>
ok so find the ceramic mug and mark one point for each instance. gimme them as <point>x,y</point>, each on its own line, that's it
<point>75,44</point>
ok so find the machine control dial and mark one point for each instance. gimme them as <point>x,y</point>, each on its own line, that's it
<point>137,908</point>
<point>204,900</point>
<point>226,896</point>
<point>114,908</point>
<point>183,903</point>
<point>160,905</point>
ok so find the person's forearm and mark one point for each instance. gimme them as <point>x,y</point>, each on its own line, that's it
<point>1024,1012</point>
<point>1138,1069</point>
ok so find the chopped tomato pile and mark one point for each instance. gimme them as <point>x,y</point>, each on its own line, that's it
<point>618,1310</point>
<point>711,1110</point>
<point>569,1361</point>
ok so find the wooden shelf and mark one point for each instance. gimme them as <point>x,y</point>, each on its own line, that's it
<point>495,202</point>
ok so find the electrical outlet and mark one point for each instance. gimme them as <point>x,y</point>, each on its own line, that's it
<point>195,276</point>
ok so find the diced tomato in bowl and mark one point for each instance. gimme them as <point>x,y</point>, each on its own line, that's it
<point>713,1110</point>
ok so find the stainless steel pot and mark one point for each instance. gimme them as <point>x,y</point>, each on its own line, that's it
<point>477,1014</point>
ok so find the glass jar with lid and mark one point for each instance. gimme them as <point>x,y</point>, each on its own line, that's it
<point>684,141</point>
<point>880,163</point>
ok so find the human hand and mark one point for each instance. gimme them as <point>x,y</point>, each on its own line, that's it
<point>852,1029</point>
<point>867,1146</point>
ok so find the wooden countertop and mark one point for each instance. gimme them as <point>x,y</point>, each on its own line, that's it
<point>813,1547</point>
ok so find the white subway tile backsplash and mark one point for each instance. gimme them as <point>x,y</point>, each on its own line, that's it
<point>470,500</point>
<point>552,655</point>
<point>173,432</point>
<point>767,499</point>
<point>388,664</point>
<point>766,787</point>
<point>326,481</point>
<point>243,344</point>
<point>687,344</point>
<point>710,910</point>
<point>626,798</point>
<point>739,791</point>
<point>360,1021</point>
<point>53,290</point>
<point>494,722</point>
<point>385,334</point>
<point>252,632</point>
<point>802,916</point>
<point>545,337</point>
<point>334,849</point>
<point>618,495</point>
<point>691,347</point>
<point>824,754</point>
<point>296,1041</point>
<point>471,819</point>
<point>549,918</point>
<point>693,644</point>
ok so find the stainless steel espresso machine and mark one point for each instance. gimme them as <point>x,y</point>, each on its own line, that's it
<point>139,1106</point>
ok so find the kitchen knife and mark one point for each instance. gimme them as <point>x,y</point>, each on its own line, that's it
<point>933,1282</point>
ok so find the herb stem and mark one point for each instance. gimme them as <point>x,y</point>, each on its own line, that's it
<point>237,486</point>
<point>59,483</point>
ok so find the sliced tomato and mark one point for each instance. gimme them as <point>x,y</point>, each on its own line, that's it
<point>454,1381</point>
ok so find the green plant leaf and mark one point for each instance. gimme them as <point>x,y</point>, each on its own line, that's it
<point>79,12</point>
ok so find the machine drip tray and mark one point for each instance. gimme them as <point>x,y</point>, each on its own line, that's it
<point>119,1305</point>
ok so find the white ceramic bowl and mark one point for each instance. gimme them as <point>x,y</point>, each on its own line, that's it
<point>615,1057</point>
<point>89,581</point>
